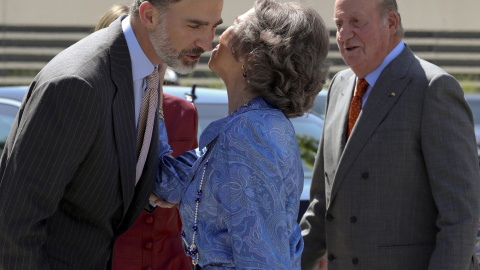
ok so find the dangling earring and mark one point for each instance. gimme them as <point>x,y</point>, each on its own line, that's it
<point>244,72</point>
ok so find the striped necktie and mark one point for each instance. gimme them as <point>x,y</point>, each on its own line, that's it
<point>146,120</point>
<point>356,104</point>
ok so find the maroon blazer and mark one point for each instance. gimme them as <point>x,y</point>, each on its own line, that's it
<point>154,241</point>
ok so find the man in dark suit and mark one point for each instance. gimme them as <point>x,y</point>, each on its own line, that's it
<point>68,184</point>
<point>399,188</point>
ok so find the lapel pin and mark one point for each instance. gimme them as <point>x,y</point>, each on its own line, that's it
<point>392,94</point>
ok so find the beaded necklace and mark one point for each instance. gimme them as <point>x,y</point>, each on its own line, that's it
<point>245,104</point>
<point>192,250</point>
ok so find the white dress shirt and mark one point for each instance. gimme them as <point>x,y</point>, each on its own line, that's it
<point>373,76</point>
<point>141,65</point>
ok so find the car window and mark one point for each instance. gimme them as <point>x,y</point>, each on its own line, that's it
<point>320,103</point>
<point>7,116</point>
<point>475,107</point>
<point>208,113</point>
<point>308,130</point>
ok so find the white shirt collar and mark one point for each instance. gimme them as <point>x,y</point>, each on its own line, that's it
<point>374,75</point>
<point>141,65</point>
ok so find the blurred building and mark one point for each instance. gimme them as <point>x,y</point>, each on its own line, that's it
<point>444,32</point>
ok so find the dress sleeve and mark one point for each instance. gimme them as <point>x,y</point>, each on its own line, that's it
<point>173,173</point>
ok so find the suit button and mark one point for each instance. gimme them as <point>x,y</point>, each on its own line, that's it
<point>355,261</point>
<point>149,219</point>
<point>148,245</point>
<point>365,175</point>
<point>331,257</point>
<point>329,217</point>
<point>353,220</point>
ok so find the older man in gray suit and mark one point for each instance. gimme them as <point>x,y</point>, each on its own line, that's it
<point>399,188</point>
<point>70,182</point>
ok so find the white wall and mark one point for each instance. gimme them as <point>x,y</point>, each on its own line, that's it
<point>54,12</point>
<point>446,15</point>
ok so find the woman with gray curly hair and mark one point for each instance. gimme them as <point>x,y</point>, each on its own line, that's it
<point>282,48</point>
<point>239,196</point>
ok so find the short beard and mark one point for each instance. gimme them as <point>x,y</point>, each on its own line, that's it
<point>164,49</point>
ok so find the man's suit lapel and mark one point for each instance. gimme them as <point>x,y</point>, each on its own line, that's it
<point>134,197</point>
<point>345,90</point>
<point>144,187</point>
<point>383,96</point>
<point>123,110</point>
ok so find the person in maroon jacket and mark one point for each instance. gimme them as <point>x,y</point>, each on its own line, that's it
<point>154,241</point>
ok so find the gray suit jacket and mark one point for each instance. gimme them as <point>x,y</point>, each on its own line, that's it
<point>403,192</point>
<point>67,173</point>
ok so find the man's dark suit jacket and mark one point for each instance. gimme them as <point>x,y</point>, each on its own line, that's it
<point>67,173</point>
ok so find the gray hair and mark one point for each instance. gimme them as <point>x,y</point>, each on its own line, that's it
<point>159,4</point>
<point>386,6</point>
<point>283,47</point>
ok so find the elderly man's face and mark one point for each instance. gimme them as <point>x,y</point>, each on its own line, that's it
<point>363,36</point>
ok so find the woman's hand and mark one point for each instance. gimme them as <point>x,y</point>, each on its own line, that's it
<point>160,203</point>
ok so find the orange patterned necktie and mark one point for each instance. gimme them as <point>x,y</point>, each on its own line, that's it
<point>146,120</point>
<point>356,105</point>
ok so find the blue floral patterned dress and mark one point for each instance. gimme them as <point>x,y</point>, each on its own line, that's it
<point>247,216</point>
